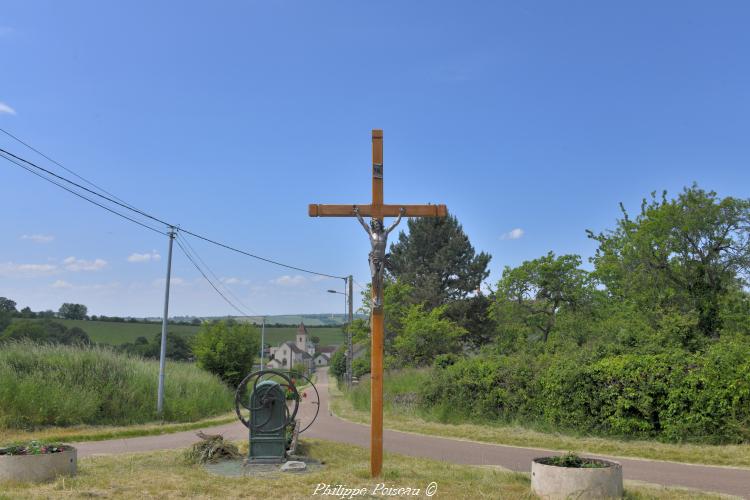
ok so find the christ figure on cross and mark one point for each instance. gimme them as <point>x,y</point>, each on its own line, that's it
<point>378,241</point>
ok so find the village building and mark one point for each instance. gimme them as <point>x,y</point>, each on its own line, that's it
<point>290,353</point>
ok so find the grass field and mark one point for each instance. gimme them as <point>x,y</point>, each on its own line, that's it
<point>55,385</point>
<point>115,333</point>
<point>166,475</point>
<point>403,415</point>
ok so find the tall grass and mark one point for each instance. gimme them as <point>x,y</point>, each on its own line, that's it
<point>65,385</point>
<point>401,389</point>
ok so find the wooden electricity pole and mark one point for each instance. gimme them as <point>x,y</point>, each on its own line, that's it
<point>377,210</point>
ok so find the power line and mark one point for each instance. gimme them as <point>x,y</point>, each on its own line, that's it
<point>223,285</point>
<point>15,159</point>
<point>52,181</point>
<point>90,183</point>
<point>243,313</point>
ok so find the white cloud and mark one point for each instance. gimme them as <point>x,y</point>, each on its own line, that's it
<point>73,264</point>
<point>288,280</point>
<point>234,281</point>
<point>38,238</point>
<point>5,109</point>
<point>61,284</point>
<point>144,257</point>
<point>11,268</point>
<point>513,234</point>
<point>173,281</point>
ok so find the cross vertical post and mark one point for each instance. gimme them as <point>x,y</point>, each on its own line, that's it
<point>378,234</point>
<point>376,321</point>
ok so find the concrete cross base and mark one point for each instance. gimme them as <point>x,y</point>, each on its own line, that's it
<point>552,482</point>
<point>38,468</point>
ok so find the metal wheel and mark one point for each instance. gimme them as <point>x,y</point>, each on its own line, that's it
<point>264,398</point>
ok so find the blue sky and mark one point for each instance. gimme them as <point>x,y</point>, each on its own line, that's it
<point>530,120</point>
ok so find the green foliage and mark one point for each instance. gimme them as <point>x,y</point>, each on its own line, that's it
<point>60,385</point>
<point>227,350</point>
<point>5,319</point>
<point>44,331</point>
<point>338,362</point>
<point>178,348</point>
<point>536,291</point>
<point>361,366</point>
<point>425,335</point>
<point>671,395</point>
<point>683,254</point>
<point>33,448</point>
<point>570,459</point>
<point>73,311</point>
<point>7,306</point>
<point>437,260</point>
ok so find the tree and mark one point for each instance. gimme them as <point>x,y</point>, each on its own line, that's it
<point>425,335</point>
<point>437,260</point>
<point>398,297</point>
<point>227,350</point>
<point>26,312</point>
<point>679,255</point>
<point>45,331</point>
<point>535,291</point>
<point>5,320</point>
<point>8,306</point>
<point>73,311</point>
<point>338,362</point>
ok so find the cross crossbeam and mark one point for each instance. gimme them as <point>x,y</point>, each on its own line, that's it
<point>378,234</point>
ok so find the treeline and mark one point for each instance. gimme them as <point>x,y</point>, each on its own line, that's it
<point>653,341</point>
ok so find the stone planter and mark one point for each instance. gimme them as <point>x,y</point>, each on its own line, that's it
<point>552,482</point>
<point>38,468</point>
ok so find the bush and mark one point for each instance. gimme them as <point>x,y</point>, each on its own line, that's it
<point>227,349</point>
<point>64,385</point>
<point>338,362</point>
<point>672,395</point>
<point>45,331</point>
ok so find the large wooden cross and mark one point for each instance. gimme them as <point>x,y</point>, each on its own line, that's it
<point>377,210</point>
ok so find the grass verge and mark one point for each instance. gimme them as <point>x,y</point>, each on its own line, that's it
<point>167,475</point>
<point>104,432</point>
<point>409,421</point>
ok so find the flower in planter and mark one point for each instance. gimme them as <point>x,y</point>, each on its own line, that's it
<point>33,448</point>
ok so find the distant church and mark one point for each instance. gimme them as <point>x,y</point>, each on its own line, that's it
<point>291,353</point>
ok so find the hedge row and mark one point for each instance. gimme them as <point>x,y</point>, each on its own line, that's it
<point>675,396</point>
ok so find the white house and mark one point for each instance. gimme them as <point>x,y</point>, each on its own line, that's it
<point>322,359</point>
<point>291,353</point>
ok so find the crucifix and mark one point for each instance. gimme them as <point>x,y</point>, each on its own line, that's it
<point>378,234</point>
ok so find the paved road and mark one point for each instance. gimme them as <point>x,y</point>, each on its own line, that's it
<point>733,481</point>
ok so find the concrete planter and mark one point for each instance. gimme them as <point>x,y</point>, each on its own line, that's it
<point>38,468</point>
<point>552,482</point>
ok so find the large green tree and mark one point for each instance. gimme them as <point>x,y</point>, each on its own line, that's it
<point>536,291</point>
<point>7,306</point>
<point>679,255</point>
<point>73,311</point>
<point>437,259</point>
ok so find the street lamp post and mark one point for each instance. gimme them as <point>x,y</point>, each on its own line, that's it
<point>348,300</point>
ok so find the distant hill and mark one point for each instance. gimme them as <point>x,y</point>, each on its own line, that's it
<point>114,333</point>
<point>330,319</point>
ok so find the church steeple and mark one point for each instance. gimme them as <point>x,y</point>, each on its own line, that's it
<point>302,337</point>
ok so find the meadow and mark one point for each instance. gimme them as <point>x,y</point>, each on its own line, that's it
<point>116,333</point>
<point>55,385</point>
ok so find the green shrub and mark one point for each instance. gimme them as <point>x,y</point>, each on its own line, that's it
<point>64,385</point>
<point>227,349</point>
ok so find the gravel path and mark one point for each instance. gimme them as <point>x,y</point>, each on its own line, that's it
<point>728,480</point>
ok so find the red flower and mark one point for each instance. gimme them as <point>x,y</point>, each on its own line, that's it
<point>304,394</point>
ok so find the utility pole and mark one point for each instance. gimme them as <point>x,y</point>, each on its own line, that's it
<point>163,352</point>
<point>349,347</point>
<point>262,341</point>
